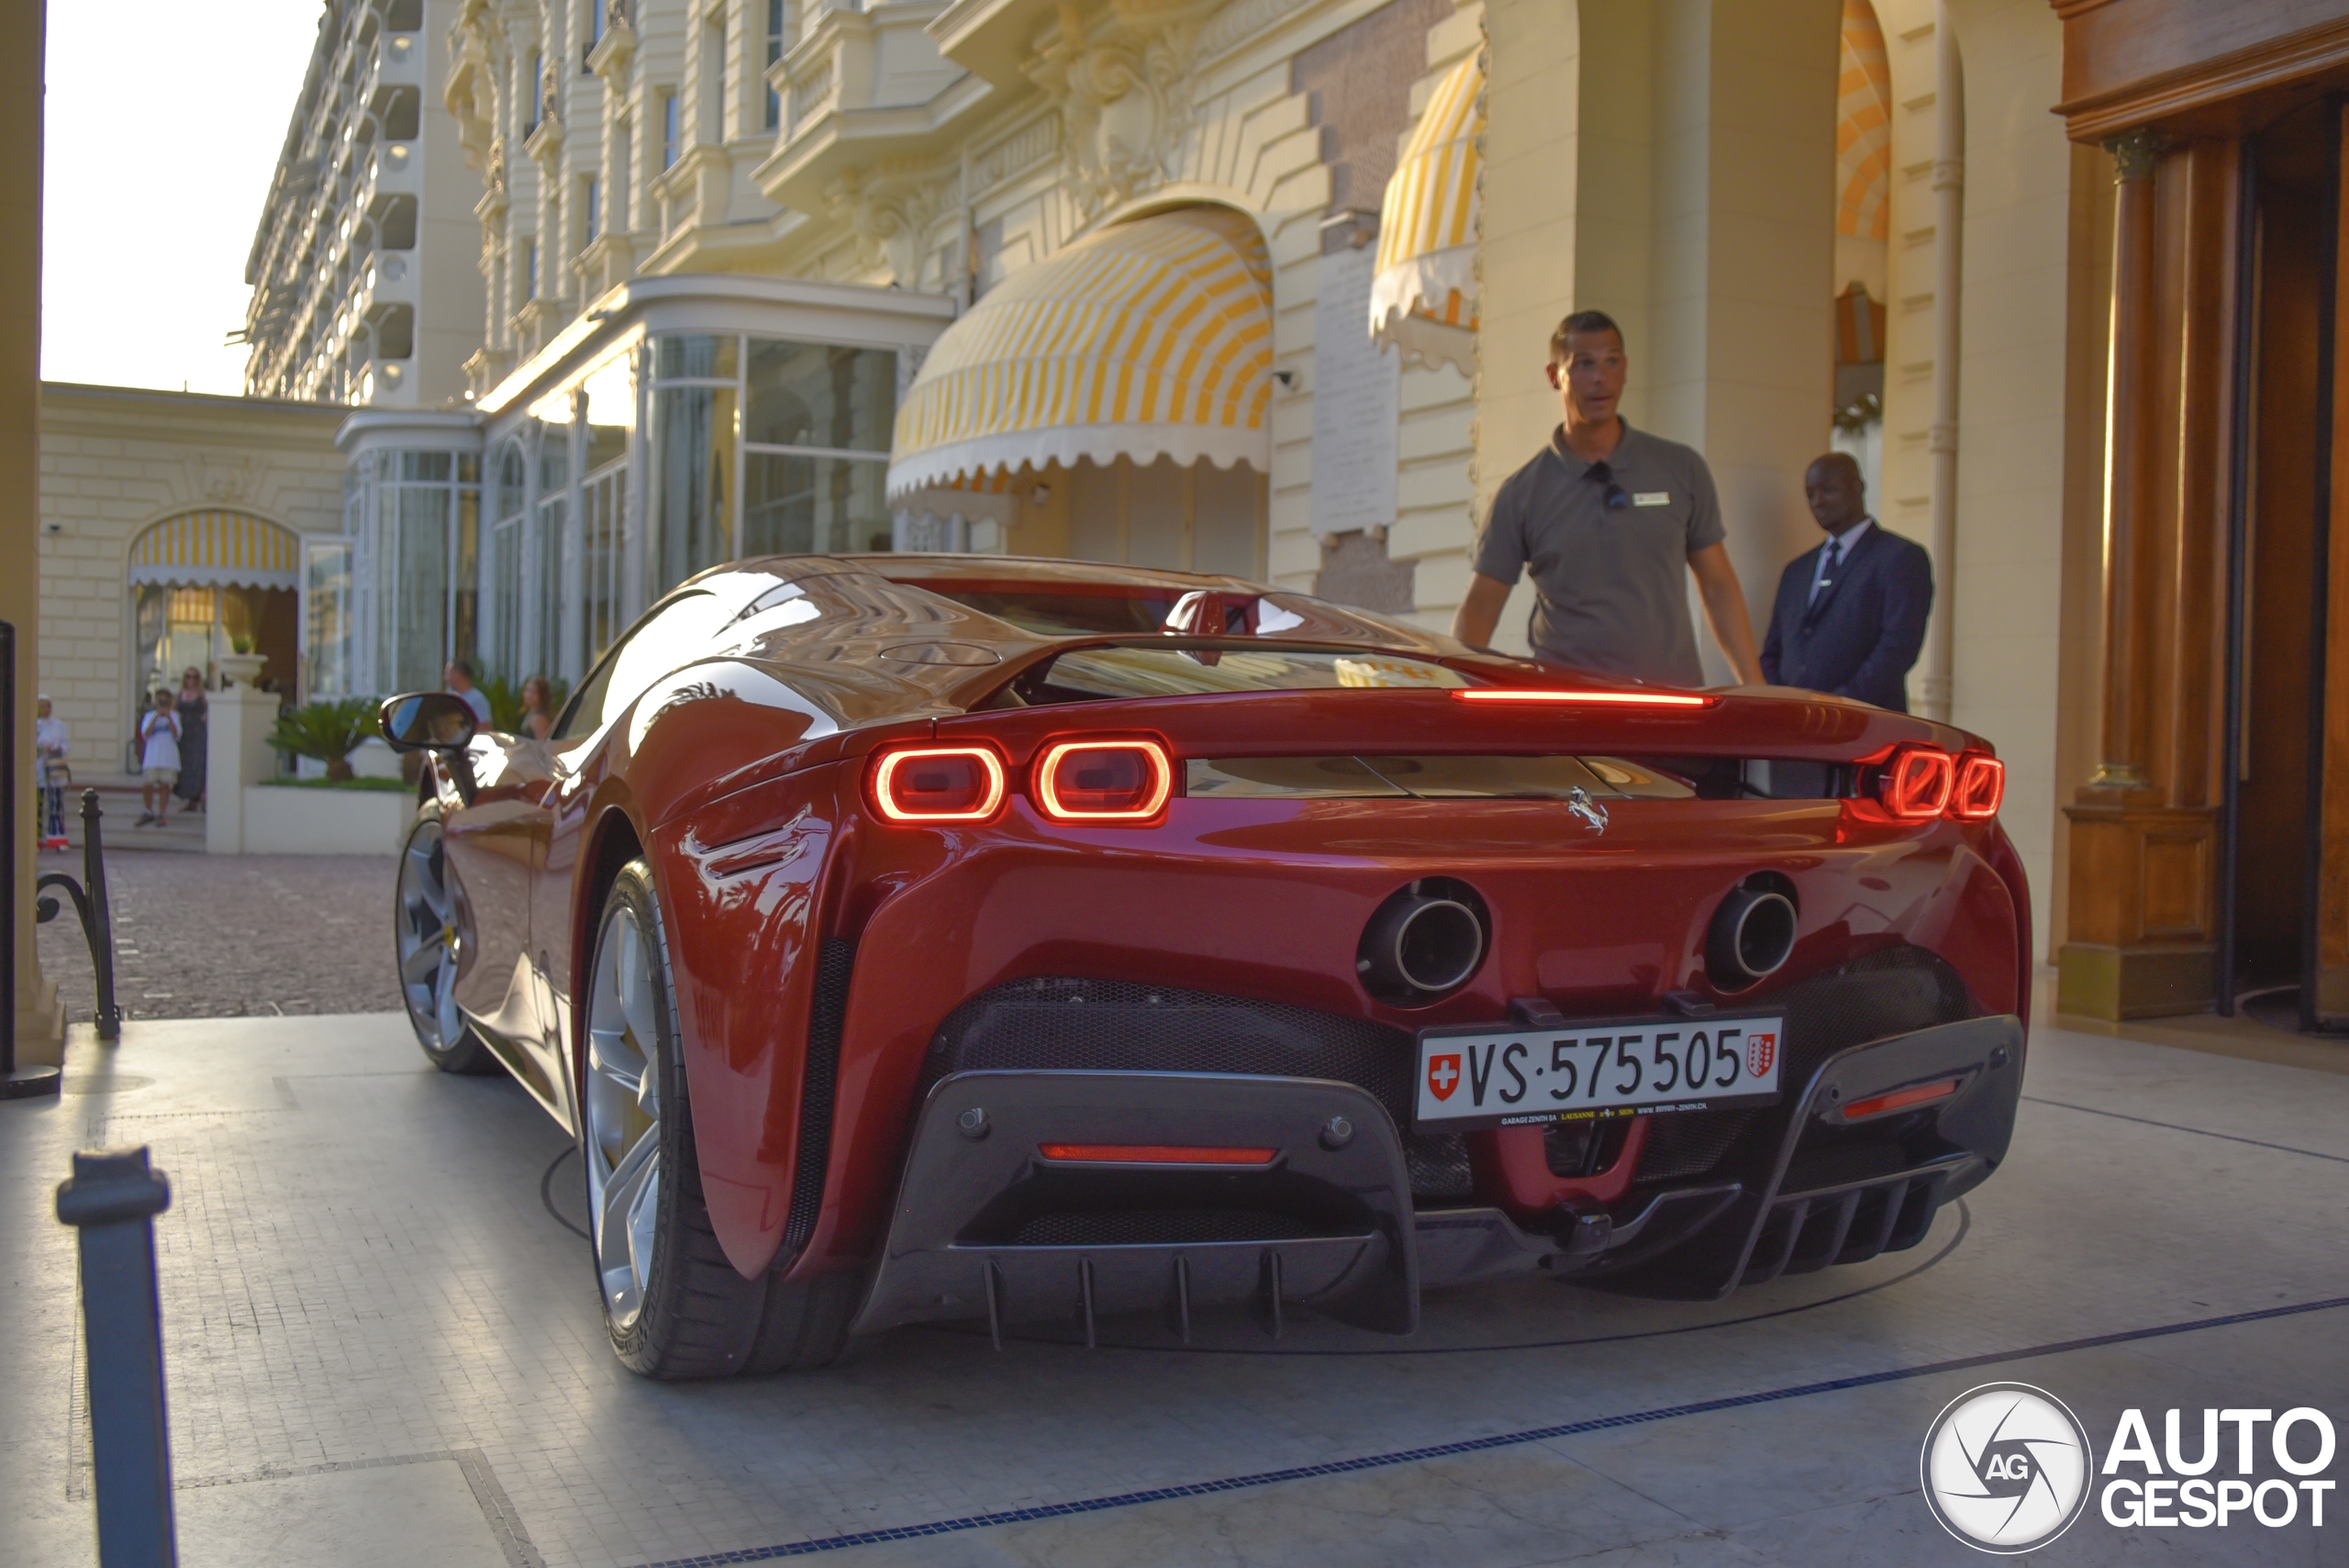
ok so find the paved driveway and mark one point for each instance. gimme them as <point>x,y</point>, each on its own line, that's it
<point>384,1347</point>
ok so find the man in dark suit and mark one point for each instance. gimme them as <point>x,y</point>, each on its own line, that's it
<point>1850,615</point>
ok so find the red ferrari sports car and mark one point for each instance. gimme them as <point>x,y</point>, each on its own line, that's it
<point>930,938</point>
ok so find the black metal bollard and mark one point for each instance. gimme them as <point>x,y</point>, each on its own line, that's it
<point>96,914</point>
<point>113,1198</point>
<point>99,924</point>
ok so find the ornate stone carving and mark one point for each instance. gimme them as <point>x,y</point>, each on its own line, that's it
<point>1124,94</point>
<point>888,214</point>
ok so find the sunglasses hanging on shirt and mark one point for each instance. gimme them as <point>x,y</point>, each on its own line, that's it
<point>1616,496</point>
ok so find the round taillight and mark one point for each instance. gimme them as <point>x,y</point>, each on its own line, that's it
<point>938,783</point>
<point>1981,784</point>
<point>1104,780</point>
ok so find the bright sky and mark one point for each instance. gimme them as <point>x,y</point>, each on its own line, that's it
<point>165,124</point>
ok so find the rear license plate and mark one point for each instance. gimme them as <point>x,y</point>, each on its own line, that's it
<point>1477,1078</point>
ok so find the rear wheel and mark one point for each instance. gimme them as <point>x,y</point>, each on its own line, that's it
<point>428,944</point>
<point>674,1306</point>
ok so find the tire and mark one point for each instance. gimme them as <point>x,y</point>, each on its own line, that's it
<point>426,938</point>
<point>672,1305</point>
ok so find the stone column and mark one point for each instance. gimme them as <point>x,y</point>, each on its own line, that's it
<point>238,754</point>
<point>39,1026</point>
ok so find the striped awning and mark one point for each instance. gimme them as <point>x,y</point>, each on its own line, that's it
<point>1152,338</point>
<point>1424,299</point>
<point>215,549</point>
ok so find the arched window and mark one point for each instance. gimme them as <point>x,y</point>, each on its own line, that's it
<point>213,582</point>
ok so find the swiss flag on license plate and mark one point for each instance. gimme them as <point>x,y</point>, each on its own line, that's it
<point>1443,1076</point>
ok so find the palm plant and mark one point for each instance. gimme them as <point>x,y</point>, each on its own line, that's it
<point>326,730</point>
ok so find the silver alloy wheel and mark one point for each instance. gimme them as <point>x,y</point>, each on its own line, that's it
<point>623,1114</point>
<point>428,941</point>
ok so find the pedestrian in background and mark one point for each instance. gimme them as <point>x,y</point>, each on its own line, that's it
<point>159,759</point>
<point>51,745</point>
<point>1850,616</point>
<point>537,723</point>
<point>459,678</point>
<point>1607,518</point>
<point>195,710</point>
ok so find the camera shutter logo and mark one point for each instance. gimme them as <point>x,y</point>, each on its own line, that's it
<point>2007,1468</point>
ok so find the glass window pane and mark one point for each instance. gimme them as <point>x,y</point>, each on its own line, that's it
<point>509,494</point>
<point>554,458</point>
<point>599,551</point>
<point>505,653</point>
<point>413,598</point>
<point>424,466</point>
<point>814,394</point>
<point>327,637</point>
<point>799,505</point>
<point>695,354</point>
<point>689,488</point>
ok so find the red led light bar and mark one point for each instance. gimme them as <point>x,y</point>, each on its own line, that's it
<point>1981,784</point>
<point>1155,1154</point>
<point>1616,699</point>
<point>938,783</point>
<point>1917,782</point>
<point>1900,1099</point>
<point>1103,781</point>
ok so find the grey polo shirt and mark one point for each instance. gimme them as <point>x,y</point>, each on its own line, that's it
<point>1610,590</point>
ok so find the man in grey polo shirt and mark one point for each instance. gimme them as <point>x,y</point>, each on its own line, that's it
<point>1607,518</point>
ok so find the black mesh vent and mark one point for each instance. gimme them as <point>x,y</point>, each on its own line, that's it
<point>835,962</point>
<point>1439,1165</point>
<point>1885,993</point>
<point>1157,1227</point>
<point>1114,1025</point>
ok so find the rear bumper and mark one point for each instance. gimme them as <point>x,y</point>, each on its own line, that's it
<point>988,1229</point>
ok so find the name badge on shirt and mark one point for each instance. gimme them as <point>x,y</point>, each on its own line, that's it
<point>1651,498</point>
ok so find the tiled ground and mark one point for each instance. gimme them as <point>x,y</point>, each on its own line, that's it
<point>384,1347</point>
<point>202,936</point>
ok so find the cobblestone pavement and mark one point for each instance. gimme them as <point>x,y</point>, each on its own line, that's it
<point>383,1350</point>
<point>233,936</point>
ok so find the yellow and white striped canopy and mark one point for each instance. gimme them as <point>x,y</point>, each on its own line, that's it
<point>1424,298</point>
<point>1152,338</point>
<point>214,550</point>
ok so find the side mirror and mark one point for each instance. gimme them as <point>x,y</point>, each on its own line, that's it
<point>427,721</point>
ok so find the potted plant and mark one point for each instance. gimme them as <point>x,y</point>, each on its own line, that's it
<point>240,666</point>
<point>327,731</point>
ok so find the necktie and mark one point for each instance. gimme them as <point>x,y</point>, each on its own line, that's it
<point>1827,568</point>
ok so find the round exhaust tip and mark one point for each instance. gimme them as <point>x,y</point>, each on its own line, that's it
<point>1752,934</point>
<point>1440,944</point>
<point>1426,941</point>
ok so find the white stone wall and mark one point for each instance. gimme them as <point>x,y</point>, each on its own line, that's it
<point>115,460</point>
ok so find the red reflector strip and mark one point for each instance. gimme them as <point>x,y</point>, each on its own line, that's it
<point>1618,699</point>
<point>1154,1154</point>
<point>1900,1099</point>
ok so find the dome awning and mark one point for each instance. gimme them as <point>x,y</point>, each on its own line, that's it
<point>215,549</point>
<point>1152,338</point>
<point>1424,299</point>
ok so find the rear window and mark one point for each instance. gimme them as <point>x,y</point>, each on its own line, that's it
<point>1180,669</point>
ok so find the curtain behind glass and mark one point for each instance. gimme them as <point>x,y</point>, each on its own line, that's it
<point>415,621</point>
<point>689,485</point>
<point>327,637</point>
<point>796,505</point>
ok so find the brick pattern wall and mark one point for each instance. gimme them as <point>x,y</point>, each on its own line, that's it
<point>115,460</point>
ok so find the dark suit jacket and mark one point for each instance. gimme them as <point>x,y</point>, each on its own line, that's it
<point>1861,637</point>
